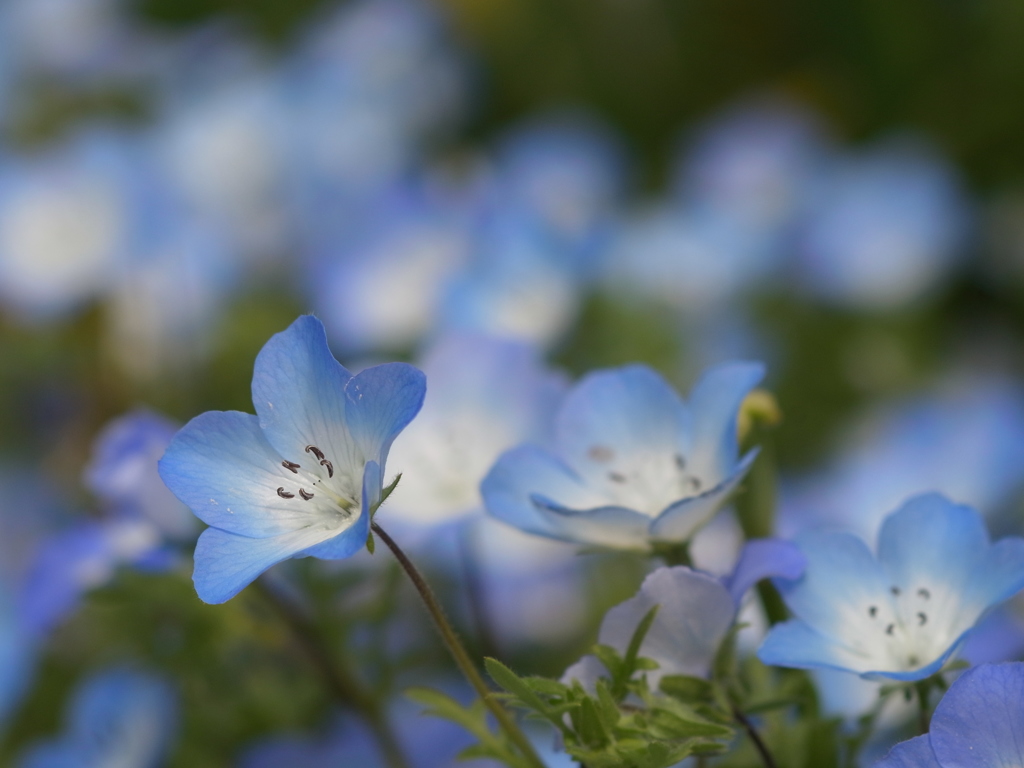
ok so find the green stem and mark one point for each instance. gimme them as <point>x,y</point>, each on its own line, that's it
<point>755,737</point>
<point>343,685</point>
<point>462,660</point>
<point>922,687</point>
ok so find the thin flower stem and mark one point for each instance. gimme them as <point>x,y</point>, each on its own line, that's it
<point>458,651</point>
<point>755,737</point>
<point>344,686</point>
<point>922,687</point>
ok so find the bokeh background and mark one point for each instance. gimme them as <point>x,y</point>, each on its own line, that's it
<point>836,189</point>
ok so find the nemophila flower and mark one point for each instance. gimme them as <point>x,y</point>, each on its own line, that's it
<point>301,477</point>
<point>903,614</point>
<point>978,724</point>
<point>486,395</point>
<point>886,227</point>
<point>116,717</point>
<point>632,464</point>
<point>695,611</point>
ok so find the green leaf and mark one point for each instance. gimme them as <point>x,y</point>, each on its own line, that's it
<point>472,718</point>
<point>687,688</point>
<point>633,649</point>
<point>607,707</point>
<point>589,726</point>
<point>519,688</point>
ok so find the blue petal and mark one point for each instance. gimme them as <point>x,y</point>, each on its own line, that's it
<point>626,413</point>
<point>980,720</point>
<point>715,403</point>
<point>298,389</point>
<point>607,526</point>
<point>999,576</point>
<point>681,520</point>
<point>795,644</point>
<point>694,614</point>
<point>350,541</point>
<point>221,466</point>
<point>764,558</point>
<point>225,563</point>
<point>931,540</point>
<point>915,753</point>
<point>380,402</point>
<point>525,472</point>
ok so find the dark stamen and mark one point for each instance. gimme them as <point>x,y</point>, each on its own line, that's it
<point>694,483</point>
<point>284,494</point>
<point>873,611</point>
<point>895,591</point>
<point>888,630</point>
<point>291,465</point>
<point>330,467</point>
<point>305,494</point>
<point>923,593</point>
<point>601,453</point>
<point>921,619</point>
<point>315,451</point>
<point>618,478</point>
<point>680,461</point>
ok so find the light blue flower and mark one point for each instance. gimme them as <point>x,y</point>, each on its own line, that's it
<point>978,724</point>
<point>886,228</point>
<point>695,612</point>
<point>118,717</point>
<point>17,657</point>
<point>300,478</point>
<point>903,615</point>
<point>633,464</point>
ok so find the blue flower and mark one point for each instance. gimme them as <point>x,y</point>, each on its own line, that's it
<point>978,724</point>
<point>903,615</point>
<point>695,612</point>
<point>117,717</point>
<point>17,657</point>
<point>301,477</point>
<point>633,463</point>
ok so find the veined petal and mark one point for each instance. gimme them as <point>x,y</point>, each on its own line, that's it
<point>762,559</point>
<point>620,417</point>
<point>695,613</point>
<point>915,753</point>
<point>298,389</point>
<point>352,539</point>
<point>226,563</point>
<point>221,466</point>
<point>528,471</point>
<point>980,720</point>
<point>380,402</point>
<point>715,404</point>
<point>615,527</point>
<point>681,520</point>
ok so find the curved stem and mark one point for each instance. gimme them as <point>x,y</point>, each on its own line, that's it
<point>458,651</point>
<point>344,686</point>
<point>755,737</point>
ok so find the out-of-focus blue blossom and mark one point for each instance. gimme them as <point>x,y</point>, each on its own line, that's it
<point>66,224</point>
<point>117,717</point>
<point>903,615</point>
<point>123,473</point>
<point>965,441</point>
<point>381,285</point>
<point>17,656</point>
<point>695,611</point>
<point>633,464</point>
<point>486,395</point>
<point>887,227</point>
<point>223,148</point>
<point>979,723</point>
<point>300,478</point>
<point>567,171</point>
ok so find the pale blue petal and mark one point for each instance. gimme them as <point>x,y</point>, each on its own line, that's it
<point>715,403</point>
<point>221,466</point>
<point>226,563</point>
<point>681,520</point>
<point>298,389</point>
<point>528,471</point>
<point>795,644</point>
<point>915,753</point>
<point>980,721</point>
<point>931,540</point>
<point>622,414</point>
<point>380,402</point>
<point>351,540</point>
<point>587,671</point>
<point>694,614</point>
<point>607,526</point>
<point>999,576</point>
<point>762,559</point>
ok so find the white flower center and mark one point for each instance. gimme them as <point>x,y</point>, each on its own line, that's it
<point>646,482</point>
<point>333,493</point>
